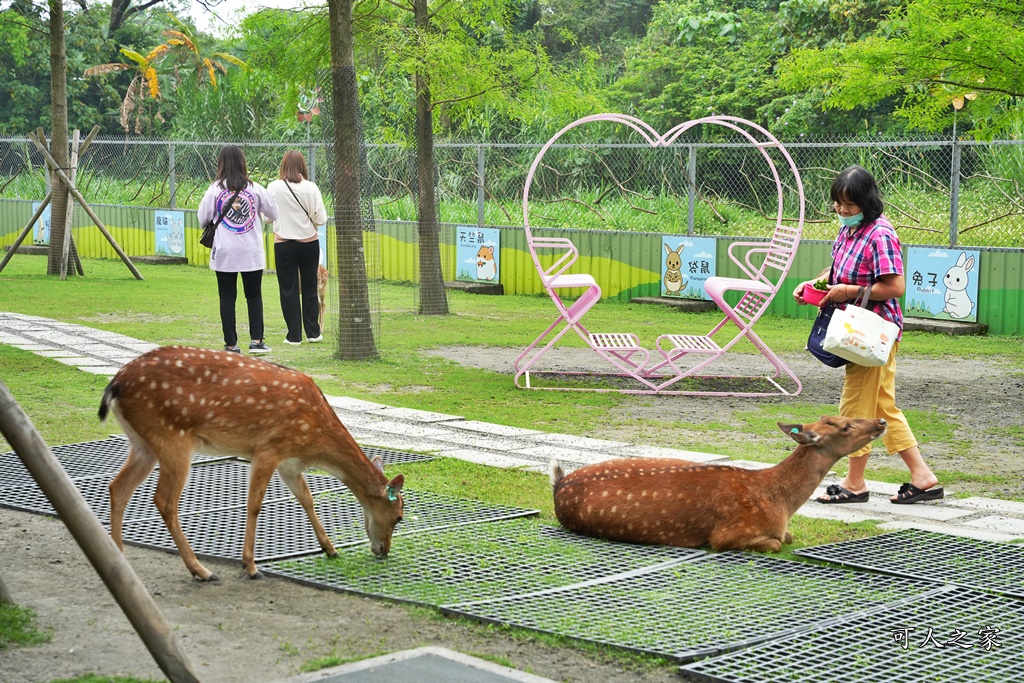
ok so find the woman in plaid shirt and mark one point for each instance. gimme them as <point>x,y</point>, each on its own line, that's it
<point>866,254</point>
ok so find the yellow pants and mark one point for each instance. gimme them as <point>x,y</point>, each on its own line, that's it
<point>871,392</point>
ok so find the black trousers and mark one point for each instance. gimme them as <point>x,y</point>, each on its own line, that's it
<point>296,278</point>
<point>227,289</point>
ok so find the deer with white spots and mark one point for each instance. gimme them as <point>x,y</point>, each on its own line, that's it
<point>173,401</point>
<point>682,503</point>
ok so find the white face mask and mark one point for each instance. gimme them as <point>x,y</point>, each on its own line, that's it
<point>851,221</point>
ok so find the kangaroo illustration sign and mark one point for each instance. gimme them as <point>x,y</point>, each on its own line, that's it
<point>942,284</point>
<point>687,263</point>
<point>477,254</point>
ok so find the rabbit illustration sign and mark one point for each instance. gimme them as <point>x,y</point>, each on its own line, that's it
<point>686,264</point>
<point>170,232</point>
<point>942,284</point>
<point>477,254</point>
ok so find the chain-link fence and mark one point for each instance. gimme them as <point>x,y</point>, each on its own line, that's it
<point>962,193</point>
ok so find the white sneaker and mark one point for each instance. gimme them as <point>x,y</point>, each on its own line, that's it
<point>315,340</point>
<point>291,343</point>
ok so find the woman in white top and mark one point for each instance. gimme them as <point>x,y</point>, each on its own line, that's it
<point>238,243</point>
<point>297,247</point>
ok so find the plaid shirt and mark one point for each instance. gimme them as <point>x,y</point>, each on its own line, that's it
<point>861,255</point>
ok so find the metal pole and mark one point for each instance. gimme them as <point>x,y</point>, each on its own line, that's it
<point>310,155</point>
<point>954,189</point>
<point>480,186</point>
<point>106,558</point>
<point>691,178</point>
<point>172,184</point>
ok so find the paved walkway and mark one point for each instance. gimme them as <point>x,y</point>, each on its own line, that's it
<point>376,424</point>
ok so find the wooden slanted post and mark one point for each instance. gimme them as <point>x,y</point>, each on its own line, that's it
<point>126,587</point>
<point>84,204</point>
<point>69,245</point>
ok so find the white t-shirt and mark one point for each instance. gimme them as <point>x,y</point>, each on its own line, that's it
<point>238,241</point>
<point>292,223</point>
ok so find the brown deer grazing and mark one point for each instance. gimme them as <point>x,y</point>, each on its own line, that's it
<point>677,502</point>
<point>174,400</point>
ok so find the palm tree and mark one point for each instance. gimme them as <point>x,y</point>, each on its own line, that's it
<point>145,79</point>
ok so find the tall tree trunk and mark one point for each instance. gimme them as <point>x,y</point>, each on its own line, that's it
<point>433,298</point>
<point>356,330</point>
<point>117,13</point>
<point>58,134</point>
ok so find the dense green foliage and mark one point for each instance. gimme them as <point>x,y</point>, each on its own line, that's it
<point>520,69</point>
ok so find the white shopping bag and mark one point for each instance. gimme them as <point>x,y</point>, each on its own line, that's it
<point>860,336</point>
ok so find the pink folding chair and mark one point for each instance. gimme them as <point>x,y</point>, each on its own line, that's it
<point>764,266</point>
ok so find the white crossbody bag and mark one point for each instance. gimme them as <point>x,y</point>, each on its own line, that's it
<point>859,335</point>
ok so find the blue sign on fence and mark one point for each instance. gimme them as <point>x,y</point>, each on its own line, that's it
<point>170,232</point>
<point>686,265</point>
<point>41,230</point>
<point>942,284</point>
<point>477,254</point>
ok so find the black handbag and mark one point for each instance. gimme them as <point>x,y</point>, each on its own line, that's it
<point>210,227</point>
<point>817,336</point>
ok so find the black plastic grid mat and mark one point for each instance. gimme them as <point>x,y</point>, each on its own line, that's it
<point>425,668</point>
<point>713,604</point>
<point>950,634</point>
<point>80,460</point>
<point>476,563</point>
<point>283,530</point>
<point>984,565</point>
<point>210,486</point>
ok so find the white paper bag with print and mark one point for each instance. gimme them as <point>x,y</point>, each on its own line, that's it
<point>860,336</point>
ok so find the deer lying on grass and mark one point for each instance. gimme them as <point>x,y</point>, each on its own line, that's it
<point>174,400</point>
<point>678,502</point>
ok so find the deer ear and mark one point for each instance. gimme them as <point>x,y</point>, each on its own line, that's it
<point>395,486</point>
<point>377,462</point>
<point>797,433</point>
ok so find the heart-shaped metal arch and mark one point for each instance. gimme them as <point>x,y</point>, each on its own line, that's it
<point>655,139</point>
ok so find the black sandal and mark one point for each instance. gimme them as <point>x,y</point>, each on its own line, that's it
<point>834,493</point>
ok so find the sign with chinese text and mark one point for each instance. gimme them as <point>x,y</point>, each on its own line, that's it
<point>170,233</point>
<point>477,254</point>
<point>942,284</point>
<point>686,264</point>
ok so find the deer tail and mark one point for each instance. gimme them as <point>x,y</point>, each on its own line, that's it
<point>556,471</point>
<point>110,395</point>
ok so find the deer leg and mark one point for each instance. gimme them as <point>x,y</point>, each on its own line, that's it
<point>136,468</point>
<point>763,544</point>
<point>788,538</point>
<point>173,475</point>
<point>296,483</point>
<point>259,478</point>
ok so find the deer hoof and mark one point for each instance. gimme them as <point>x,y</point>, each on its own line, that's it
<point>257,575</point>
<point>209,579</point>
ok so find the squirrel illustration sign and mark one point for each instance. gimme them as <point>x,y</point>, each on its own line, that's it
<point>942,284</point>
<point>687,263</point>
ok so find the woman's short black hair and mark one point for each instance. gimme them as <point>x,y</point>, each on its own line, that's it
<point>856,185</point>
<point>232,171</point>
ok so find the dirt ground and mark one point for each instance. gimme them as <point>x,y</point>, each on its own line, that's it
<point>984,398</point>
<point>243,631</point>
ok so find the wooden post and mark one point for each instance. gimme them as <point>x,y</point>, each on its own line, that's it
<point>65,247</point>
<point>85,205</point>
<point>109,562</point>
